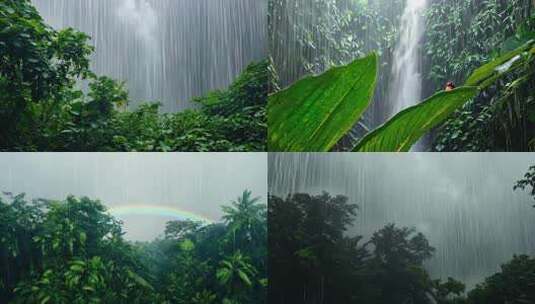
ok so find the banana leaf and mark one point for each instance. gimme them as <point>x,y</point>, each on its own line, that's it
<point>401,132</point>
<point>487,74</point>
<point>316,112</point>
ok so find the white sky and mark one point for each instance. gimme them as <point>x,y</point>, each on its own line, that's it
<point>196,182</point>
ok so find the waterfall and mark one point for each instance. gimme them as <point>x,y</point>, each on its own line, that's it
<point>463,203</point>
<point>141,18</point>
<point>406,81</point>
<point>167,50</point>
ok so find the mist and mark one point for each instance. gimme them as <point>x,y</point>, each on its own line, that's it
<point>463,203</point>
<point>167,51</point>
<point>196,183</point>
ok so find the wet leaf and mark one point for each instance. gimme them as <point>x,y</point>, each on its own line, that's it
<point>401,132</point>
<point>316,112</point>
<point>490,72</point>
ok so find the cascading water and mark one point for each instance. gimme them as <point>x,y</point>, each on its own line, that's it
<point>464,204</point>
<point>167,50</point>
<point>406,82</point>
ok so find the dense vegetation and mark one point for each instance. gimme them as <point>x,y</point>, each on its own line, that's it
<point>313,259</point>
<point>312,36</point>
<point>316,112</point>
<point>73,251</point>
<point>42,107</point>
<point>461,35</point>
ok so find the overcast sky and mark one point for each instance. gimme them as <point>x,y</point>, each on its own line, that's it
<point>464,203</point>
<point>195,182</point>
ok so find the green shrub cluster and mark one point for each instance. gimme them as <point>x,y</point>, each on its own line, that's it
<point>461,36</point>
<point>43,109</point>
<point>314,258</point>
<point>74,252</point>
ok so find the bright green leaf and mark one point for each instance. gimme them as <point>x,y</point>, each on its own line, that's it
<point>401,132</point>
<point>245,278</point>
<point>317,111</point>
<point>490,72</point>
<point>45,300</point>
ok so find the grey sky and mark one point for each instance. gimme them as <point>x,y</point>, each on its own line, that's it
<point>196,182</point>
<point>464,203</point>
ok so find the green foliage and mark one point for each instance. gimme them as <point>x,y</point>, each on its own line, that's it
<point>245,219</point>
<point>235,274</point>
<point>37,66</point>
<point>309,257</point>
<point>462,36</point>
<point>500,119</point>
<point>316,112</point>
<point>527,182</point>
<point>73,251</point>
<point>310,37</point>
<point>468,130</point>
<point>42,109</point>
<point>181,229</point>
<point>313,36</point>
<point>313,258</point>
<point>75,254</point>
<point>514,284</point>
<point>403,131</point>
<point>490,72</point>
<point>396,266</point>
<point>449,292</point>
<point>233,120</point>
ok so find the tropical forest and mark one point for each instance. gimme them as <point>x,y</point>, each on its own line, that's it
<point>402,75</point>
<point>162,228</point>
<point>453,242</point>
<point>74,251</point>
<point>131,75</point>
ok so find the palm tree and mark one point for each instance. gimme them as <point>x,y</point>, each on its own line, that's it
<point>245,217</point>
<point>236,272</point>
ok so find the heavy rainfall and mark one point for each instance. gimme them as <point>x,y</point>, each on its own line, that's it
<point>133,76</point>
<point>133,228</point>
<point>433,75</point>
<point>190,183</point>
<point>167,50</point>
<point>463,203</point>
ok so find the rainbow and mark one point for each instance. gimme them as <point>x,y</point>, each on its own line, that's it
<point>163,211</point>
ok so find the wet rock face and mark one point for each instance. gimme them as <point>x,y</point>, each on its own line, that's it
<point>167,50</point>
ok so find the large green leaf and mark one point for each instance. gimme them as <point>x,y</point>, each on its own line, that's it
<point>317,111</point>
<point>490,72</point>
<point>401,132</point>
